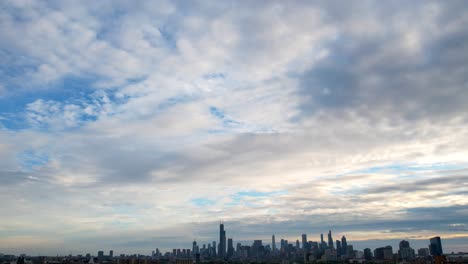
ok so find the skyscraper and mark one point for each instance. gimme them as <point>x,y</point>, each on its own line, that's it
<point>322,243</point>
<point>297,244</point>
<point>230,248</point>
<point>367,254</point>
<point>194,247</point>
<point>222,241</point>
<point>405,251</point>
<point>338,248</point>
<point>435,246</point>
<point>344,246</point>
<point>214,248</point>
<point>330,239</point>
<point>304,241</point>
<point>273,243</point>
<point>257,248</point>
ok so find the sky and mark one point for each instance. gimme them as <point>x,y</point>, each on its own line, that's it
<point>132,125</point>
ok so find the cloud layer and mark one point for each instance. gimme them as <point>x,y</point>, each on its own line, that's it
<point>139,125</point>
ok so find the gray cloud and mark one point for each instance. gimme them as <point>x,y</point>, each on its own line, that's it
<point>378,76</point>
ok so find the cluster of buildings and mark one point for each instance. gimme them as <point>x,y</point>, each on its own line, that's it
<point>304,251</point>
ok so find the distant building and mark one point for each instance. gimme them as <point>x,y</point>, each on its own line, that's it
<point>458,257</point>
<point>405,252</point>
<point>344,246</point>
<point>383,253</point>
<point>367,254</point>
<point>230,250</point>
<point>304,241</point>
<point>330,254</point>
<point>313,246</point>
<point>330,239</point>
<point>358,254</point>
<point>194,247</point>
<point>350,251</point>
<point>435,246</point>
<point>339,250</point>
<point>222,241</point>
<point>257,249</point>
<point>214,248</point>
<point>273,243</point>
<point>388,253</point>
<point>423,252</point>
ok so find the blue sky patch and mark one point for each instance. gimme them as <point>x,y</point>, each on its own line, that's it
<point>410,167</point>
<point>201,202</point>
<point>31,159</point>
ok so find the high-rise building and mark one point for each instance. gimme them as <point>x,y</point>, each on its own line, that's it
<point>194,247</point>
<point>344,246</point>
<point>435,246</point>
<point>313,246</point>
<point>273,243</point>
<point>405,251</point>
<point>323,244</point>
<point>304,242</point>
<point>257,248</point>
<point>111,253</point>
<point>423,252</point>
<point>388,252</point>
<point>230,248</point>
<point>100,255</point>
<point>338,248</point>
<point>379,253</point>
<point>297,244</point>
<point>214,248</point>
<point>383,253</point>
<point>367,254</point>
<point>403,244</point>
<point>330,239</point>
<point>222,241</point>
<point>350,251</point>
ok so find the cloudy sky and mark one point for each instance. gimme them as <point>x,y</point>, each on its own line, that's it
<point>132,125</point>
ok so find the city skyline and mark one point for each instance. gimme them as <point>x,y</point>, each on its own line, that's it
<point>197,244</point>
<point>131,124</point>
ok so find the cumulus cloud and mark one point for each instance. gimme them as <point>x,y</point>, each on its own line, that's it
<point>276,117</point>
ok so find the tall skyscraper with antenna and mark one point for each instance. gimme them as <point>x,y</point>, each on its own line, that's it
<point>222,241</point>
